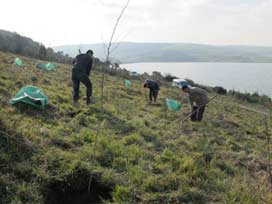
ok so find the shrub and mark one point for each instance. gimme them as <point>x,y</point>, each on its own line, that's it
<point>220,90</point>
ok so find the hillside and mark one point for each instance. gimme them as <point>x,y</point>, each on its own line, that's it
<point>129,52</point>
<point>142,153</point>
<point>16,43</point>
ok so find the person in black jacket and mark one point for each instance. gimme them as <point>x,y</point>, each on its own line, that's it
<point>82,66</point>
<point>154,88</point>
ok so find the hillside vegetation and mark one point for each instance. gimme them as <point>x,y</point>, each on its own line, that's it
<point>16,43</point>
<point>129,52</point>
<point>141,154</point>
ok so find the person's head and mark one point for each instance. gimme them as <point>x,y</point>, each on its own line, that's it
<point>185,88</point>
<point>146,84</point>
<point>90,52</point>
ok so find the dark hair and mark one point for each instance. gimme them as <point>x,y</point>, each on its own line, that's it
<point>185,87</point>
<point>146,83</point>
<point>89,52</point>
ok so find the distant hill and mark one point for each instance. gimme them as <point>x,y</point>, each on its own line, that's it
<point>15,43</point>
<point>128,52</point>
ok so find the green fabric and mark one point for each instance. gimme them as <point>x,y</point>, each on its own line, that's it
<point>18,62</point>
<point>30,95</point>
<point>173,105</point>
<point>48,67</point>
<point>128,83</point>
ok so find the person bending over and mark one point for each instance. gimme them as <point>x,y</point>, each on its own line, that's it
<point>198,99</point>
<point>154,88</point>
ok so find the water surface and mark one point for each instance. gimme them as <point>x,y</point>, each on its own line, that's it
<point>244,77</point>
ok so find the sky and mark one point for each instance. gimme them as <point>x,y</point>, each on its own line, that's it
<point>62,22</point>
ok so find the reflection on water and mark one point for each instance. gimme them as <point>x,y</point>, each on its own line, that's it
<point>245,77</point>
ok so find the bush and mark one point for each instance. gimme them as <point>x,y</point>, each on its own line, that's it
<point>220,90</point>
<point>251,98</point>
<point>169,77</point>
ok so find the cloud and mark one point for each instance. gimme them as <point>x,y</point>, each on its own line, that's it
<point>210,21</point>
<point>85,21</point>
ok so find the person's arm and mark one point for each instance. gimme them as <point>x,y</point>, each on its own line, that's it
<point>191,103</point>
<point>90,67</point>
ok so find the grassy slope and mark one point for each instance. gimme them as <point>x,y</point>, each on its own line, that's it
<point>139,155</point>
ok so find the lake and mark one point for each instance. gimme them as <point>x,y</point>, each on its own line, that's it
<point>244,77</point>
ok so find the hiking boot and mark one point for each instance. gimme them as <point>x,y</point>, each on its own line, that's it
<point>89,101</point>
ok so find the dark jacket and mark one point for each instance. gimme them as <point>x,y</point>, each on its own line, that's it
<point>198,96</point>
<point>152,85</point>
<point>83,63</point>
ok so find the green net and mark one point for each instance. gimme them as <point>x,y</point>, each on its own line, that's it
<point>48,67</point>
<point>128,83</point>
<point>51,66</point>
<point>18,62</point>
<point>173,105</point>
<point>30,95</point>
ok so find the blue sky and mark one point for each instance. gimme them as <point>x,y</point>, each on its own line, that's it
<point>61,22</point>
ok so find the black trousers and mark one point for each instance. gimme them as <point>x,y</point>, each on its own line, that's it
<point>153,94</point>
<point>78,77</point>
<point>197,115</point>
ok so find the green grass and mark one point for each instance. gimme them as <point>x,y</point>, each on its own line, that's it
<point>143,154</point>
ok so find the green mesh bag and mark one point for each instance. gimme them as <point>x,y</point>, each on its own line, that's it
<point>173,105</point>
<point>30,95</point>
<point>18,62</point>
<point>128,83</point>
<point>48,67</point>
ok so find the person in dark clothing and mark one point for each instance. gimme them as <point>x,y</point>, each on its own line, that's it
<point>82,66</point>
<point>198,99</point>
<point>154,88</point>
<point>197,113</point>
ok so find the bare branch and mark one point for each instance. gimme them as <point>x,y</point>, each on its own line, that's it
<point>104,45</point>
<point>115,27</point>
<point>119,43</point>
<point>99,127</point>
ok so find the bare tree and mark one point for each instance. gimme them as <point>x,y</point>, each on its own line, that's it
<point>108,51</point>
<point>114,30</point>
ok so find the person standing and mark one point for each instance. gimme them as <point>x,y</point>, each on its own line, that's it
<point>154,88</point>
<point>82,66</point>
<point>198,99</point>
